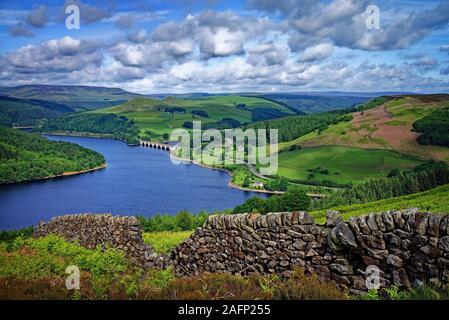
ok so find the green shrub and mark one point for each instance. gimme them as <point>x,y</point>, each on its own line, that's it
<point>10,235</point>
<point>164,241</point>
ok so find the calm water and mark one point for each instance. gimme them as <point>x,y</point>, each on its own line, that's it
<point>137,180</point>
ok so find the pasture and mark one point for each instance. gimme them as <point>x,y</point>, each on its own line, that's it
<point>341,164</point>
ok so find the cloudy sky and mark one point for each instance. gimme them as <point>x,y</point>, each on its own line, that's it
<point>178,46</point>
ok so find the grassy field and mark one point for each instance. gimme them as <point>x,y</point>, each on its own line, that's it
<point>164,241</point>
<point>150,114</point>
<point>387,126</point>
<point>343,164</point>
<point>434,200</point>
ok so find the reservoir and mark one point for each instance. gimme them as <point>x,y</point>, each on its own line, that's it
<point>137,180</point>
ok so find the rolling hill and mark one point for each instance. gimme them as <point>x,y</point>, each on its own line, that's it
<point>314,103</point>
<point>78,98</point>
<point>28,112</point>
<point>386,126</point>
<point>162,116</point>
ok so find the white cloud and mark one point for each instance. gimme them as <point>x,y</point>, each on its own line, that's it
<point>318,52</point>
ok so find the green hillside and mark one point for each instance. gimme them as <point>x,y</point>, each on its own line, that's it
<point>28,112</point>
<point>388,125</point>
<point>162,116</point>
<point>26,156</point>
<point>315,103</point>
<point>434,200</point>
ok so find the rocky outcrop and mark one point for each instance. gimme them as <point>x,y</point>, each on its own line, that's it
<point>104,230</point>
<point>402,247</point>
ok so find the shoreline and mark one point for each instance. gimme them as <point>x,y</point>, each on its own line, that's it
<point>87,135</point>
<point>230,184</point>
<point>64,174</point>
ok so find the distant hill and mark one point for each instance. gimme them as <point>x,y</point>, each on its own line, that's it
<point>314,103</point>
<point>75,97</point>
<point>162,116</point>
<point>28,112</point>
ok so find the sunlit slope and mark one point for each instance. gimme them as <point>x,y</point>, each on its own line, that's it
<point>341,164</point>
<point>151,113</point>
<point>434,200</point>
<point>387,126</point>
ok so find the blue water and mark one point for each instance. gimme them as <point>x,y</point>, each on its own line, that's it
<point>137,180</point>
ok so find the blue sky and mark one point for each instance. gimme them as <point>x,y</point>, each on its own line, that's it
<point>228,46</point>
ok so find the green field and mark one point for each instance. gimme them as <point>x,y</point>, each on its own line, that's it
<point>150,114</point>
<point>434,200</point>
<point>344,164</point>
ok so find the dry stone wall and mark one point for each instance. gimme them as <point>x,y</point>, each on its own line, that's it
<point>408,247</point>
<point>104,230</point>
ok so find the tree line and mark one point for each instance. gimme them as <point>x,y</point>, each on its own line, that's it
<point>293,127</point>
<point>423,177</point>
<point>112,125</point>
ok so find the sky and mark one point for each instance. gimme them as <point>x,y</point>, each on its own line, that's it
<point>214,46</point>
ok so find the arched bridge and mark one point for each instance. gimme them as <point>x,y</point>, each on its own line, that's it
<point>155,145</point>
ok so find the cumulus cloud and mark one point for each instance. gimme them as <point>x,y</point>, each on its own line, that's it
<point>38,16</point>
<point>220,42</point>
<point>54,58</point>
<point>343,22</point>
<point>318,52</point>
<point>268,53</point>
<point>304,46</point>
<point>150,55</point>
<point>217,34</point>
